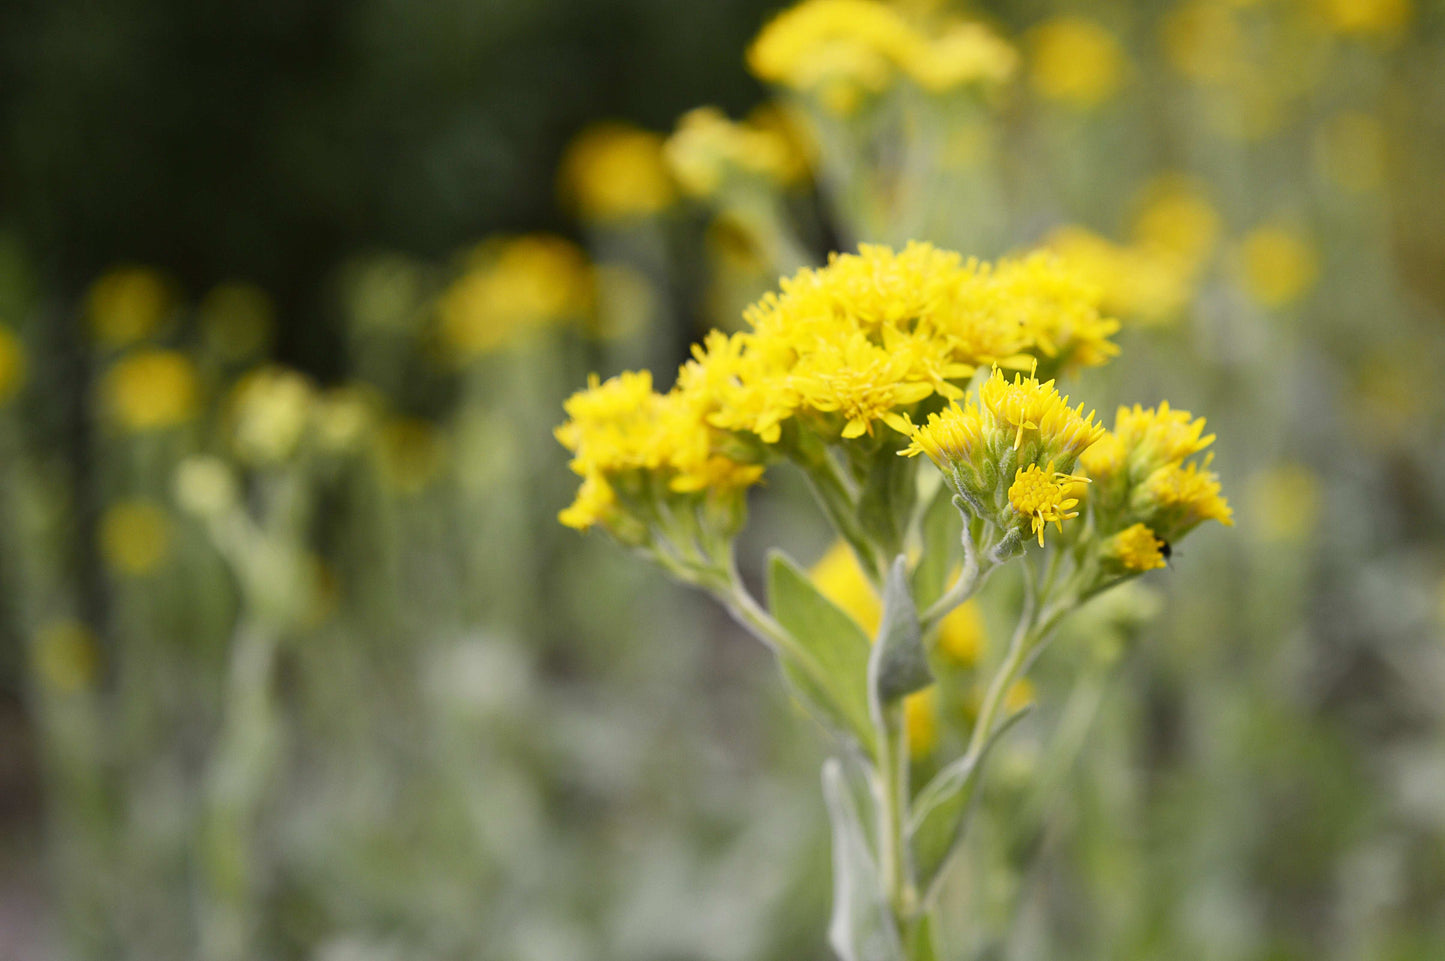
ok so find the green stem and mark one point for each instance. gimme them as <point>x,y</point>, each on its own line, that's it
<point>1018,652</point>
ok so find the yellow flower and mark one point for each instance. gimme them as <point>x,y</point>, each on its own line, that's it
<point>961,635</point>
<point>1176,217</point>
<point>151,390</point>
<point>613,171</point>
<point>1364,17</point>
<point>1144,283</point>
<point>1136,548</point>
<point>920,721</point>
<point>708,151</point>
<point>1276,264</point>
<point>1019,696</point>
<point>239,320</point>
<point>842,50</point>
<point>1042,496</point>
<point>270,410</point>
<point>12,365</point>
<point>839,578</point>
<point>1026,405</point>
<point>1179,498</point>
<point>1076,60</point>
<point>134,537</point>
<point>1050,303</point>
<point>1159,435</point>
<point>511,286</point>
<point>962,53</point>
<point>66,656</point>
<point>205,486</point>
<point>952,436</point>
<point>127,304</point>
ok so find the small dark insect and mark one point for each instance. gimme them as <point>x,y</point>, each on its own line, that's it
<point>1167,550</point>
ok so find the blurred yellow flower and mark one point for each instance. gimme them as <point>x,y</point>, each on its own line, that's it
<point>412,453</point>
<point>12,364</point>
<point>708,151</point>
<point>1366,17</point>
<point>134,537</point>
<point>151,390</point>
<point>510,286</point>
<point>66,656</point>
<point>1286,502</point>
<point>269,409</point>
<point>1276,264</point>
<point>238,320</point>
<point>961,635</point>
<point>920,721</point>
<point>1175,215</point>
<point>205,486</point>
<point>1075,60</point>
<point>127,304</point>
<point>839,578</point>
<point>612,171</point>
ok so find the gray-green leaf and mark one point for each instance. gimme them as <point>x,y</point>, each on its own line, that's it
<point>830,669</point>
<point>899,665</point>
<point>862,927</point>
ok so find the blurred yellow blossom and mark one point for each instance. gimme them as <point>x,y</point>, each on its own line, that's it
<point>238,320</point>
<point>1202,40</point>
<point>510,286</point>
<point>269,409</point>
<point>707,151</point>
<point>1276,264</point>
<point>839,578</point>
<point>612,171</point>
<point>1136,548</point>
<point>961,635</point>
<point>66,656</point>
<point>1075,60</point>
<point>205,486</point>
<point>12,364</point>
<point>1366,17</point>
<point>1175,215</point>
<point>134,537</point>
<point>151,390</point>
<point>1285,501</point>
<point>127,304</point>
<point>920,721</point>
<point>962,52</point>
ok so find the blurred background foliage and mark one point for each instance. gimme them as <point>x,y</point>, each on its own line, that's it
<point>297,662</point>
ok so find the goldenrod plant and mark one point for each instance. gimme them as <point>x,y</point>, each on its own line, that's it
<point>847,373</point>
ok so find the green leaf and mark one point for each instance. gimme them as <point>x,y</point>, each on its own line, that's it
<point>862,927</point>
<point>886,501</point>
<point>942,540</point>
<point>899,665</point>
<point>942,809</point>
<point>830,669</point>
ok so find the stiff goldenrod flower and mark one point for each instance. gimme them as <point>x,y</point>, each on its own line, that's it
<point>238,320</point>
<point>1276,265</point>
<point>511,286</point>
<point>1140,283</point>
<point>127,304</point>
<point>1136,549</point>
<point>151,390</point>
<point>1179,498</point>
<point>1025,406</point>
<point>615,171</point>
<point>708,151</point>
<point>12,365</point>
<point>1042,496</point>
<point>270,409</point>
<point>1075,60</point>
<point>66,656</point>
<point>134,537</point>
<point>962,53</point>
<point>1159,435</point>
<point>956,435</point>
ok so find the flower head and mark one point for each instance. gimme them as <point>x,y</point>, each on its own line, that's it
<point>1136,549</point>
<point>613,171</point>
<point>151,390</point>
<point>1042,495</point>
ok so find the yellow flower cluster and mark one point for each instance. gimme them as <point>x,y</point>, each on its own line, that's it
<point>866,338</point>
<point>708,151</point>
<point>1036,426</point>
<point>613,171</point>
<point>1136,548</point>
<point>627,438</point>
<point>151,390</point>
<point>511,286</point>
<point>1076,61</point>
<point>1142,478</point>
<point>126,305</point>
<point>845,50</point>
